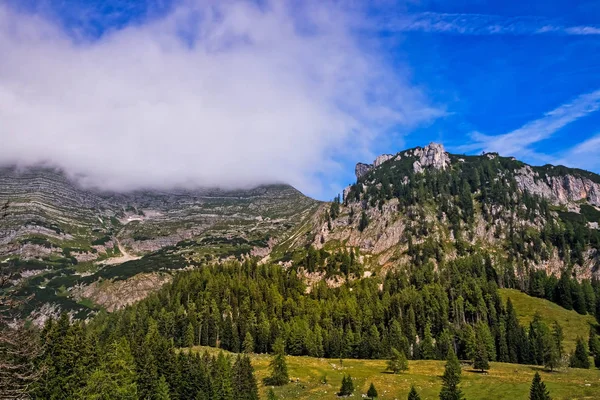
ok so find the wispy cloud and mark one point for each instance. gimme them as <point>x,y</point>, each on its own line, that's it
<point>517,143</point>
<point>482,24</point>
<point>584,155</point>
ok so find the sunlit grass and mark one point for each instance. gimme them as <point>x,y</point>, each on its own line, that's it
<point>573,324</point>
<point>503,381</point>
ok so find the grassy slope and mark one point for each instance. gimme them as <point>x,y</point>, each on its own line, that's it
<point>504,381</point>
<point>573,324</point>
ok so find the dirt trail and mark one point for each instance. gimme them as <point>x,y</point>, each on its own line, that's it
<point>124,257</point>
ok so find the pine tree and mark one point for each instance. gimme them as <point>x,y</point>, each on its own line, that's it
<point>481,360</point>
<point>397,362</point>
<point>347,386</point>
<point>426,345</point>
<point>162,390</point>
<point>278,365</point>
<point>413,395</point>
<point>580,358</point>
<point>248,345</point>
<point>372,392</point>
<point>188,340</point>
<point>557,334</point>
<point>115,378</point>
<point>244,382</point>
<point>470,342</point>
<point>593,342</point>
<point>451,379</point>
<point>538,389</point>
<point>221,372</point>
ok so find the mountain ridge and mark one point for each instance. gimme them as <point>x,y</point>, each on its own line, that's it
<point>415,209</point>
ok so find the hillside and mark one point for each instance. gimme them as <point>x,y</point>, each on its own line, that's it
<point>77,249</point>
<point>503,381</point>
<point>426,205</point>
<point>573,324</point>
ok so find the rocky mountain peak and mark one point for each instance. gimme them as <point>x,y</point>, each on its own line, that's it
<point>362,169</point>
<point>433,155</point>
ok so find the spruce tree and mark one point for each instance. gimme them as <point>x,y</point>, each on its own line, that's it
<point>188,340</point>
<point>244,382</point>
<point>162,390</point>
<point>558,335</point>
<point>278,365</point>
<point>538,389</point>
<point>481,360</point>
<point>115,378</point>
<point>248,345</point>
<point>397,363</point>
<point>221,372</point>
<point>426,345</point>
<point>413,395</point>
<point>593,342</point>
<point>580,358</point>
<point>451,379</point>
<point>372,392</point>
<point>347,387</point>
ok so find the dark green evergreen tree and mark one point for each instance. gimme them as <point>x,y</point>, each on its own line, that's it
<point>451,379</point>
<point>372,392</point>
<point>426,345</point>
<point>580,358</point>
<point>413,395</point>
<point>244,382</point>
<point>538,389</point>
<point>162,390</point>
<point>347,387</point>
<point>189,336</point>
<point>481,360</point>
<point>278,365</point>
<point>248,345</point>
<point>398,362</point>
<point>222,386</point>
<point>115,378</point>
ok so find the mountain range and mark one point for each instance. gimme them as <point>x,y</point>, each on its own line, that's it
<point>81,250</point>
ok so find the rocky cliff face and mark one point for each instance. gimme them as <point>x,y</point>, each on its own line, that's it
<point>433,156</point>
<point>385,241</point>
<point>562,189</point>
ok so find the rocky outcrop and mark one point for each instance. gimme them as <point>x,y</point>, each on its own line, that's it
<point>381,159</point>
<point>433,155</point>
<point>114,295</point>
<point>558,189</point>
<point>362,169</point>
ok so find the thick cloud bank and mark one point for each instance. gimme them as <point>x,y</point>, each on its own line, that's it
<point>219,93</point>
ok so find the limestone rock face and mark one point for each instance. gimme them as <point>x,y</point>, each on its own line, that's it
<point>381,159</point>
<point>433,155</point>
<point>362,169</point>
<point>558,189</point>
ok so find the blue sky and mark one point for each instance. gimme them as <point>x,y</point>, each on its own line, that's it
<point>520,78</point>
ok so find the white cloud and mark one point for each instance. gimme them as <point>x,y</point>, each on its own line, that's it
<point>517,142</point>
<point>216,93</point>
<point>584,155</point>
<point>482,24</point>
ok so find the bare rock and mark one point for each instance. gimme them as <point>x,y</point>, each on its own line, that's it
<point>381,159</point>
<point>362,169</point>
